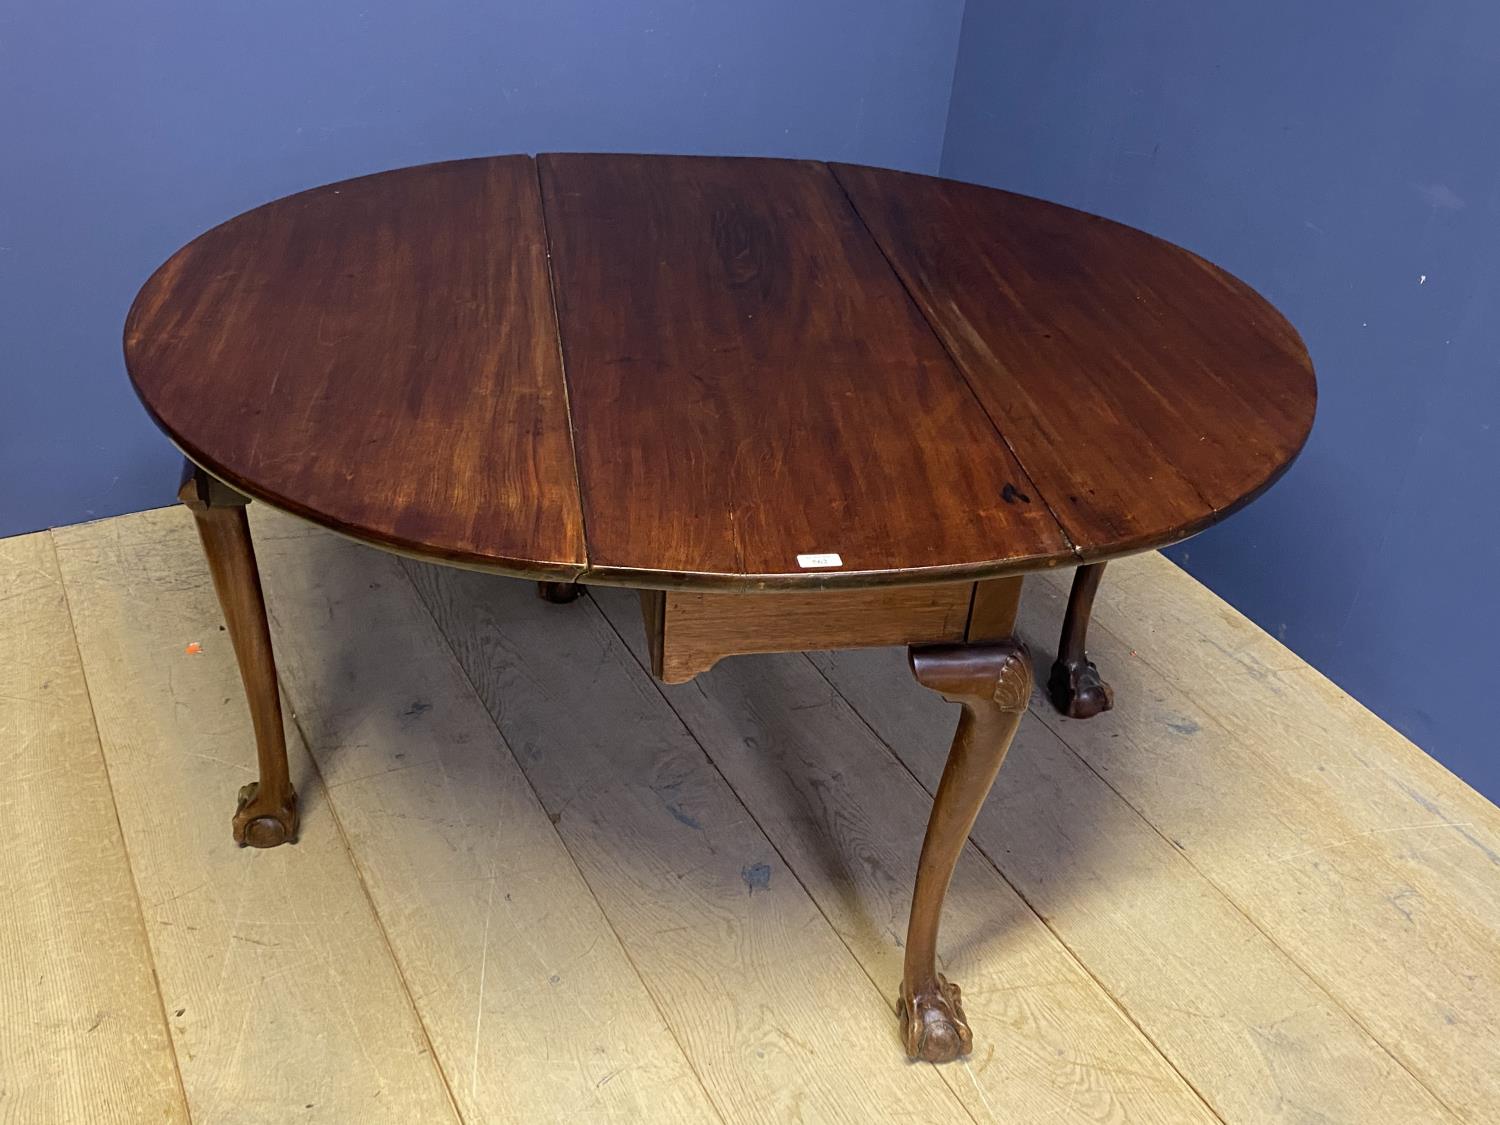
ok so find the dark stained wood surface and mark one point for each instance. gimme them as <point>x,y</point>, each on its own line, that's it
<point>764,359</point>
<point>379,355</point>
<point>992,682</point>
<point>750,383</point>
<point>1146,391</point>
<point>267,812</point>
<point>696,629</point>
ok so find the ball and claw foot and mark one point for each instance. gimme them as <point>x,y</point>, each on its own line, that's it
<point>264,824</point>
<point>1077,691</point>
<point>558,593</point>
<point>933,1024</point>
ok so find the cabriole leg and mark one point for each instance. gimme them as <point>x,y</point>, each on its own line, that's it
<point>993,683</point>
<point>267,812</point>
<point>1074,685</point>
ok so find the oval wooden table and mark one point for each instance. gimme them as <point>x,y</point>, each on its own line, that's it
<point>799,405</point>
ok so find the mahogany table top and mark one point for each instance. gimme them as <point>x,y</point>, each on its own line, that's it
<point>703,372</point>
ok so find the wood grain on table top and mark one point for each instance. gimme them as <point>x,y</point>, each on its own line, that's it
<point>380,356</point>
<point>734,362</point>
<point>750,382</point>
<point>1147,389</point>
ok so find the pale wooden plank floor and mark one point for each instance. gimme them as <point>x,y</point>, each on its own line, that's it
<point>281,993</point>
<point>535,885</point>
<point>84,1035</point>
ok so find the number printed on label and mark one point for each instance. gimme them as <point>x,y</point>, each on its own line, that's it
<point>818,562</point>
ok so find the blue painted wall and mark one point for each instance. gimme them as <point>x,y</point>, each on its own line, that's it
<point>125,129</point>
<point>1342,158</point>
<point>1338,156</point>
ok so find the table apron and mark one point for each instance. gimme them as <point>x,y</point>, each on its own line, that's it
<point>689,633</point>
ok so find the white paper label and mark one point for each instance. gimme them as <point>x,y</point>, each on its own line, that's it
<point>818,562</point>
